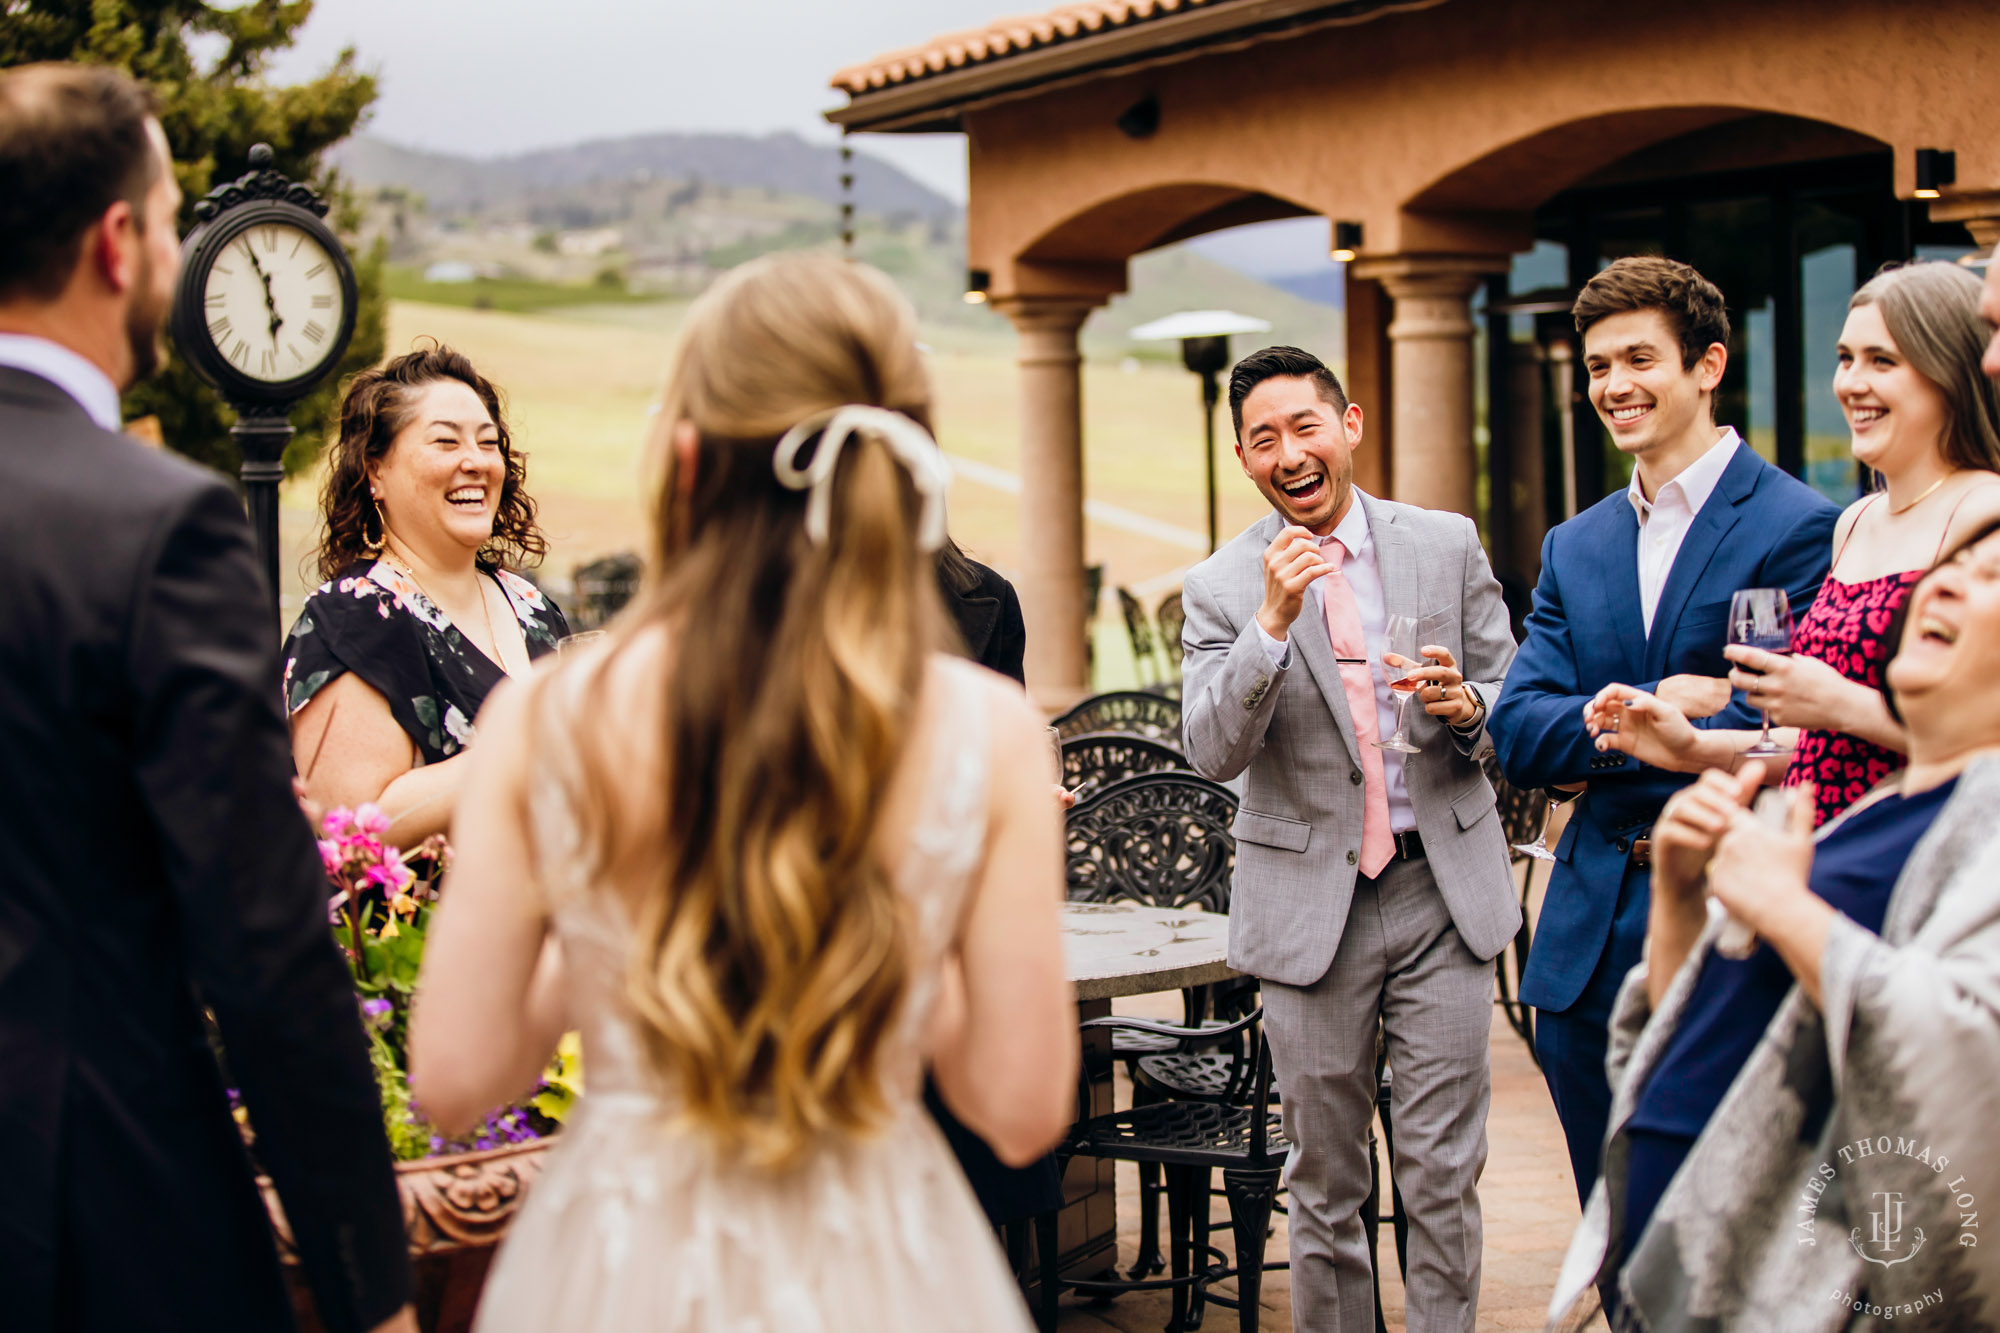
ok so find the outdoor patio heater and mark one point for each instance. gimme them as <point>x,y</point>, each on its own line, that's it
<point>1204,338</point>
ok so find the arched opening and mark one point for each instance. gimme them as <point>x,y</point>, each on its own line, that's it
<point>1118,228</point>
<point>1786,215</point>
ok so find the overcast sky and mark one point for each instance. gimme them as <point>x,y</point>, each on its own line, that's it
<point>502,76</point>
<point>492,77</point>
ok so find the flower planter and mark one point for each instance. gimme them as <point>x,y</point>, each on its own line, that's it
<point>456,1209</point>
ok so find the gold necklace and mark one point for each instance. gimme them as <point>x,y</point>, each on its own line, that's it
<point>485,608</point>
<point>1928,492</point>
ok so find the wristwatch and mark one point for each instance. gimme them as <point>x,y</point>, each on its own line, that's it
<point>1478,711</point>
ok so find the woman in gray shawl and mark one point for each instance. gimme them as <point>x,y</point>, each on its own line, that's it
<point>1838,1161</point>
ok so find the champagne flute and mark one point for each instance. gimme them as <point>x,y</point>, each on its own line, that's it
<point>1400,632</point>
<point>1762,618</point>
<point>1539,848</point>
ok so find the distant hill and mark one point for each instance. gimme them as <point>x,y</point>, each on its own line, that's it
<point>1328,286</point>
<point>1179,278</point>
<point>784,162</point>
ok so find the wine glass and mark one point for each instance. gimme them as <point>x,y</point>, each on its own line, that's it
<point>1055,748</point>
<point>1762,618</point>
<point>1400,632</point>
<point>570,643</point>
<point>1539,848</point>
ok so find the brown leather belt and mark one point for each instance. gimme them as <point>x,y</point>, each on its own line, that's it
<point>1642,853</point>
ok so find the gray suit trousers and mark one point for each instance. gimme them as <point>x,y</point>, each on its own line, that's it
<point>1402,965</point>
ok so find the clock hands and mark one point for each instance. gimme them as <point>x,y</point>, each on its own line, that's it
<point>269,304</point>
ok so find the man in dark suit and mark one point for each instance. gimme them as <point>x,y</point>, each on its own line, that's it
<point>155,859</point>
<point>1636,590</point>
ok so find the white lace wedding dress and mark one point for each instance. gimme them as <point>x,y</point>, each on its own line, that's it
<point>636,1225</point>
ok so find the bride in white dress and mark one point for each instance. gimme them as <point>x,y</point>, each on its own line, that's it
<point>772,852</point>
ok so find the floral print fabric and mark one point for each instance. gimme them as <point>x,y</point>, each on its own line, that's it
<point>375,621</point>
<point>1847,628</point>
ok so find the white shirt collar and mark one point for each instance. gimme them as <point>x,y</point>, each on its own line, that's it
<point>92,388</point>
<point>1352,531</point>
<point>1696,482</point>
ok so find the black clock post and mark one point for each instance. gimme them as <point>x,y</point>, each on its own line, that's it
<point>263,205</point>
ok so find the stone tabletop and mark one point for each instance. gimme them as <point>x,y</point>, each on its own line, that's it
<point>1122,948</point>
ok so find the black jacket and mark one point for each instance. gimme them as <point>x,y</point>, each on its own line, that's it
<point>152,861</point>
<point>989,620</point>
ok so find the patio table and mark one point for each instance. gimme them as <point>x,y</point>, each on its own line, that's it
<point>1114,950</point>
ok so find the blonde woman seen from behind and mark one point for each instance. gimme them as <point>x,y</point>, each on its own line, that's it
<point>793,853</point>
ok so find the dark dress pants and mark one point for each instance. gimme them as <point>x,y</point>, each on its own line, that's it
<point>1570,1043</point>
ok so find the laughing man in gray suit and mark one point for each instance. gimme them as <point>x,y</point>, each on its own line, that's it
<point>1372,886</point>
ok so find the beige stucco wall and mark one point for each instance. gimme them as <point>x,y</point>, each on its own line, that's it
<point>1441,130</point>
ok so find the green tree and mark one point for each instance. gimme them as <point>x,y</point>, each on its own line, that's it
<point>206,62</point>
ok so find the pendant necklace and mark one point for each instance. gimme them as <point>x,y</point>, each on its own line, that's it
<point>485,608</point>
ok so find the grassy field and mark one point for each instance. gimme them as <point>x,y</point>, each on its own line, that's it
<point>515,295</point>
<point>579,382</point>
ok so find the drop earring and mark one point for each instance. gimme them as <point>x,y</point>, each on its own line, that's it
<point>373,546</point>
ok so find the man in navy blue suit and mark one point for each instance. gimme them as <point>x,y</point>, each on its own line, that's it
<point>1635,590</point>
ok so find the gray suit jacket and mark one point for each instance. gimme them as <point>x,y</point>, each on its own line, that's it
<point>1298,834</point>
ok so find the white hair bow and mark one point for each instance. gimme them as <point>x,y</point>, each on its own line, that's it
<point>910,443</point>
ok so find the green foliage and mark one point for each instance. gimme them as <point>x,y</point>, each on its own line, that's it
<point>213,110</point>
<point>521,296</point>
<point>409,1136</point>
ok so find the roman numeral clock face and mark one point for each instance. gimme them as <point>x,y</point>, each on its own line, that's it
<point>273,303</point>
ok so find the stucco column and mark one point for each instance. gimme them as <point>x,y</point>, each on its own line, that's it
<point>1430,339</point>
<point>1051,569</point>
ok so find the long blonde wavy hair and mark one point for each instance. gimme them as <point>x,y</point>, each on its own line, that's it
<point>772,952</point>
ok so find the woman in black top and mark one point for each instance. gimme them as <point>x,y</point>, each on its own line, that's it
<point>390,660</point>
<point>987,612</point>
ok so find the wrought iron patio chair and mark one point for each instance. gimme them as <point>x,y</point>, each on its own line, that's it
<point>1519,814</point>
<point>1160,838</point>
<point>1170,617</point>
<point>1135,712</point>
<point>1188,1141</point>
<point>603,587</point>
<point>1097,759</point>
<point>1139,629</point>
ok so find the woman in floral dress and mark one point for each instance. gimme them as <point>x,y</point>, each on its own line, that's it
<point>391,659</point>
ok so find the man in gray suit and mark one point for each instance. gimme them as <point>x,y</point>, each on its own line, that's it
<point>1372,886</point>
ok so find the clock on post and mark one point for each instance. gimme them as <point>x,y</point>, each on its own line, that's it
<point>264,311</point>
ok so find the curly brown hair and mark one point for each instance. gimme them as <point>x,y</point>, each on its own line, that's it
<point>375,407</point>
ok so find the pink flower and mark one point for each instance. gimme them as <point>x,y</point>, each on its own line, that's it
<point>337,821</point>
<point>368,817</point>
<point>330,855</point>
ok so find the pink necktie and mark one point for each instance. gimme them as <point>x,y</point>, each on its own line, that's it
<point>1343,627</point>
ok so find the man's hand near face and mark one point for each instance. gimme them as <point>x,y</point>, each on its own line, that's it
<point>1291,562</point>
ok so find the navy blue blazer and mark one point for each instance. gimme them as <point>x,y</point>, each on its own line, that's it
<point>1761,528</point>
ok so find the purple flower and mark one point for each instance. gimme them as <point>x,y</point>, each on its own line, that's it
<point>377,1012</point>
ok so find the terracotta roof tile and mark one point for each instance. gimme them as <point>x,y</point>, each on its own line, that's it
<point>1005,37</point>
